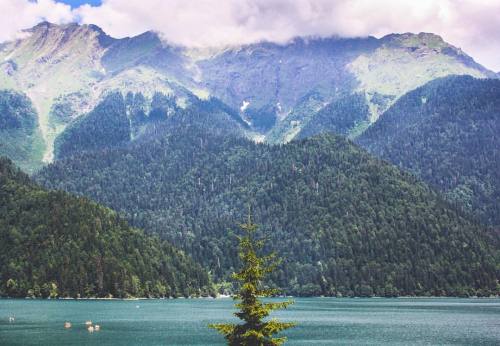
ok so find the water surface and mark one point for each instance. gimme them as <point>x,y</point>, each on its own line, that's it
<point>321,321</point>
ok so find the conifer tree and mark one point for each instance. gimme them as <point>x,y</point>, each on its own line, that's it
<point>255,330</point>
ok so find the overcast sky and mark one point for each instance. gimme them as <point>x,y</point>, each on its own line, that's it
<point>473,25</point>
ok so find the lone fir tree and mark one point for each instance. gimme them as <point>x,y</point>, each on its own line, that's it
<point>255,330</point>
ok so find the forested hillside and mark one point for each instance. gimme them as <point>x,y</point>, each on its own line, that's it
<point>448,133</point>
<point>118,121</point>
<point>20,137</point>
<point>347,115</point>
<point>346,223</point>
<point>55,245</point>
<point>106,126</point>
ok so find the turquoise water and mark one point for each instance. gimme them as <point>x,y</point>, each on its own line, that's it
<point>322,321</point>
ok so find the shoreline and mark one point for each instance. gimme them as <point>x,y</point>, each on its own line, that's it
<point>230,297</point>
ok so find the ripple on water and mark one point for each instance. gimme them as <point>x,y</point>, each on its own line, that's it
<point>321,321</point>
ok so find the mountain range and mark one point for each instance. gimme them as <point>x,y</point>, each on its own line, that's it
<point>372,164</point>
<point>65,70</point>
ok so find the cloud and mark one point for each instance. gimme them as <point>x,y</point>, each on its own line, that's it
<point>472,25</point>
<point>16,15</point>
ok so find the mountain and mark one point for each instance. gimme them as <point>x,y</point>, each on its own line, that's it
<point>287,76</point>
<point>66,70</point>
<point>344,222</point>
<point>447,133</point>
<point>63,70</point>
<point>54,244</point>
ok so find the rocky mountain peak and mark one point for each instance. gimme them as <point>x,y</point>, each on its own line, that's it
<point>46,32</point>
<point>409,39</point>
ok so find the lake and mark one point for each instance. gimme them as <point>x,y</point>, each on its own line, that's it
<point>321,321</point>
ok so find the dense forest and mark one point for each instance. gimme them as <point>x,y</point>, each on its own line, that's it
<point>343,116</point>
<point>20,137</point>
<point>117,120</point>
<point>345,222</point>
<point>105,126</point>
<point>448,133</point>
<point>55,245</point>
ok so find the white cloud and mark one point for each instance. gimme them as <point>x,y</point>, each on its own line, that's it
<point>16,15</point>
<point>472,25</point>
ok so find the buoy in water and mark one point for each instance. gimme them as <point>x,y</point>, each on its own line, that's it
<point>67,325</point>
<point>11,319</point>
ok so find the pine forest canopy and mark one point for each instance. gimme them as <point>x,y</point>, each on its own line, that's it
<point>55,245</point>
<point>344,222</point>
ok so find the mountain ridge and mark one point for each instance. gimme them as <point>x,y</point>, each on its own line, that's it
<point>72,66</point>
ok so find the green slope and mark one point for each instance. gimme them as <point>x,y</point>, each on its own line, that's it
<point>345,222</point>
<point>118,121</point>
<point>20,136</point>
<point>105,126</point>
<point>447,132</point>
<point>346,116</point>
<point>54,244</point>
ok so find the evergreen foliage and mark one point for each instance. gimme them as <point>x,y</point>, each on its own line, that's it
<point>104,127</point>
<point>162,106</point>
<point>118,121</point>
<point>344,222</point>
<point>447,133</point>
<point>20,137</point>
<point>255,331</point>
<point>264,118</point>
<point>217,109</point>
<point>16,111</point>
<point>342,116</point>
<point>56,245</point>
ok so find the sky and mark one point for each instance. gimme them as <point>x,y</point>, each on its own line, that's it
<point>473,25</point>
<point>78,3</point>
